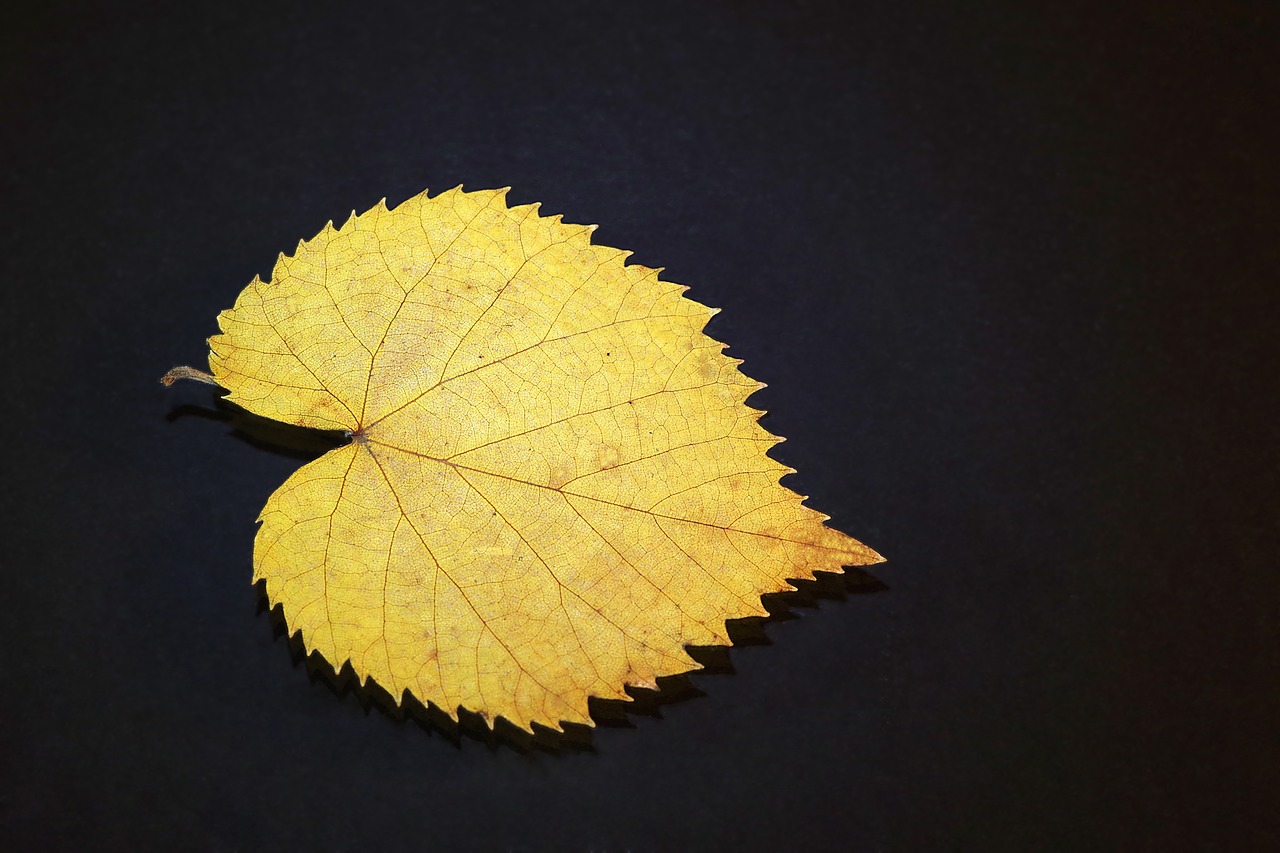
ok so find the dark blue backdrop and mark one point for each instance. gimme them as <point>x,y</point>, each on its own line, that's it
<point>1010,275</point>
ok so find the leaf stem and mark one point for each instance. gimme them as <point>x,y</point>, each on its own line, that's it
<point>188,373</point>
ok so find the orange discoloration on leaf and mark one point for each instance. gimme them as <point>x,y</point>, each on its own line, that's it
<point>554,486</point>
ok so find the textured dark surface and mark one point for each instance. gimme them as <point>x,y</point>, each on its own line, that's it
<point>1010,276</point>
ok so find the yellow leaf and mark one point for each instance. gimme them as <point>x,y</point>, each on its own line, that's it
<point>553,484</point>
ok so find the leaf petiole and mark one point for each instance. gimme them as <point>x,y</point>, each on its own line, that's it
<point>188,373</point>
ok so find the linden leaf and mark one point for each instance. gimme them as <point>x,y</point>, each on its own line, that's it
<point>553,484</point>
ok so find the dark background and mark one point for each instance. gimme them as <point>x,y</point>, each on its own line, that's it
<point>1009,273</point>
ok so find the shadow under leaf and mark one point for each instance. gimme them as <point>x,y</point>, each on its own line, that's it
<point>606,713</point>
<point>276,437</point>
<point>307,444</point>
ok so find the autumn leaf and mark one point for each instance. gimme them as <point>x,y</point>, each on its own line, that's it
<point>553,484</point>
